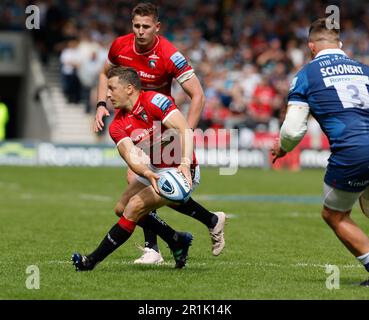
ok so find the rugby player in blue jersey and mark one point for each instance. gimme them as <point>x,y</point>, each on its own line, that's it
<point>334,89</point>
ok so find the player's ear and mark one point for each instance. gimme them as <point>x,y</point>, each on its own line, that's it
<point>158,24</point>
<point>312,48</point>
<point>129,89</point>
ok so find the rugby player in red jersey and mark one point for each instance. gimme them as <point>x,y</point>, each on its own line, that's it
<point>142,119</point>
<point>158,62</point>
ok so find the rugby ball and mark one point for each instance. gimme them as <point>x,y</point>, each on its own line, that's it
<point>174,186</point>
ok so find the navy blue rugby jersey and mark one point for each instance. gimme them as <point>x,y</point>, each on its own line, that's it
<point>335,88</point>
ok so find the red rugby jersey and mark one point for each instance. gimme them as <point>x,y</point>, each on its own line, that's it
<point>144,126</point>
<point>156,67</point>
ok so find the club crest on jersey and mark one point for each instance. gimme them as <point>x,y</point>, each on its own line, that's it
<point>161,102</point>
<point>152,63</point>
<point>144,116</point>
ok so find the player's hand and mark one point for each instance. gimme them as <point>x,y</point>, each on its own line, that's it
<point>152,177</point>
<point>101,112</point>
<point>277,151</point>
<point>186,171</point>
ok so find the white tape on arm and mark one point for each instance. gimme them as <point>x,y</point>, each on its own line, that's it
<point>185,76</point>
<point>294,126</point>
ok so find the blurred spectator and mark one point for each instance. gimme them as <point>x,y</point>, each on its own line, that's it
<point>88,72</point>
<point>260,110</point>
<point>70,59</point>
<point>4,118</point>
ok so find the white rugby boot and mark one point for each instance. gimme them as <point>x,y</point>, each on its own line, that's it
<point>149,256</point>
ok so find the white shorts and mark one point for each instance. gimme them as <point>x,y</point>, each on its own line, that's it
<point>340,200</point>
<point>195,173</point>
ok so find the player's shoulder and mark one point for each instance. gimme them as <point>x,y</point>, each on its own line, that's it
<point>165,43</point>
<point>157,100</point>
<point>152,96</point>
<point>116,123</point>
<point>167,47</point>
<point>118,116</point>
<point>302,72</point>
<point>364,67</point>
<point>300,79</point>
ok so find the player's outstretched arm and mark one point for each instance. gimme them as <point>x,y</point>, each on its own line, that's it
<point>137,161</point>
<point>193,89</point>
<point>102,89</point>
<point>177,121</point>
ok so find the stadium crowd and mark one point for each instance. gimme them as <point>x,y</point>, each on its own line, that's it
<point>245,52</point>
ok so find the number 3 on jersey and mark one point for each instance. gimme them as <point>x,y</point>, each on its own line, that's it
<point>353,95</point>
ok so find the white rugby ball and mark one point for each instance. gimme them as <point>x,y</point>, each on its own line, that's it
<point>174,186</point>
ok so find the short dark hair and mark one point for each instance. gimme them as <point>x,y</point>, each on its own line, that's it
<point>146,9</point>
<point>125,74</point>
<point>324,29</point>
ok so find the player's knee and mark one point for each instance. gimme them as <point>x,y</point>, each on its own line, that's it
<point>134,207</point>
<point>325,217</point>
<point>333,217</point>
<point>119,209</point>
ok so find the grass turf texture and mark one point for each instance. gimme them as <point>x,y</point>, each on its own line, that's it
<point>274,249</point>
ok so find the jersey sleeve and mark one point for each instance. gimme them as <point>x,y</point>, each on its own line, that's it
<point>117,132</point>
<point>113,52</point>
<point>161,107</point>
<point>298,90</point>
<point>177,64</point>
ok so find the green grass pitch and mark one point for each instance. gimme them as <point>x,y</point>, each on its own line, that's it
<point>277,245</point>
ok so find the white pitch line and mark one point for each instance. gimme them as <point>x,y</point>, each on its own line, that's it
<point>26,196</point>
<point>230,263</point>
<point>95,197</point>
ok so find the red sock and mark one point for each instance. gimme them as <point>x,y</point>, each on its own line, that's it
<point>126,224</point>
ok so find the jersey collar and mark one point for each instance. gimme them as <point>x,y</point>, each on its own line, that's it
<point>136,109</point>
<point>143,53</point>
<point>330,51</point>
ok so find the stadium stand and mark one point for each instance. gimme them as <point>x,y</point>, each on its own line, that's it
<point>244,52</point>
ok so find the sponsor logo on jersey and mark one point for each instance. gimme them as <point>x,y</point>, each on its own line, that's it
<point>154,56</point>
<point>143,74</point>
<point>161,102</point>
<point>143,134</point>
<point>125,57</point>
<point>179,60</point>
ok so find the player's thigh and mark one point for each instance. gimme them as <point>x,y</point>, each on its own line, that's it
<point>339,200</point>
<point>143,202</point>
<point>133,188</point>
